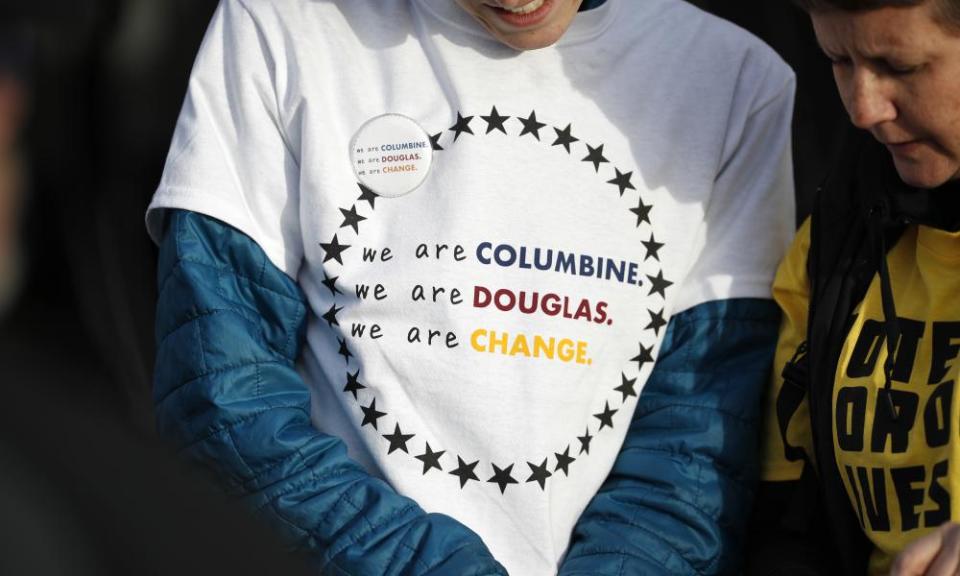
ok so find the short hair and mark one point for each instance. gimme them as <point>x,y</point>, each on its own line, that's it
<point>947,10</point>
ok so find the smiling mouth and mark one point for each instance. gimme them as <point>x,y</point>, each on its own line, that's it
<point>526,8</point>
<point>530,14</point>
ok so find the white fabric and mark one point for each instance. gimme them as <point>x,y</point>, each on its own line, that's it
<point>696,113</point>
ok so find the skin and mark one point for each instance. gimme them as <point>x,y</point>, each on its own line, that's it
<point>523,37</point>
<point>898,73</point>
<point>936,554</point>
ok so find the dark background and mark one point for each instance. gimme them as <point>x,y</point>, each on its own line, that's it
<point>103,82</point>
<point>106,80</point>
<point>86,489</point>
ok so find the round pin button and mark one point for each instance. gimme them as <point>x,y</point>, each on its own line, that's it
<point>391,155</point>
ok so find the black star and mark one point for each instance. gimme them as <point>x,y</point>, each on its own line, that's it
<point>334,250</point>
<point>344,351</point>
<point>605,417</point>
<point>539,474</point>
<point>462,125</point>
<point>626,388</point>
<point>398,440</point>
<point>622,181</point>
<point>353,384</point>
<point>530,125</point>
<point>367,195</point>
<point>331,284</point>
<point>645,355</point>
<point>653,247</point>
<point>564,461</point>
<point>464,471</point>
<point>585,441</point>
<point>659,284</point>
<point>495,121</point>
<point>352,219</point>
<point>430,459</point>
<point>595,156</point>
<point>371,414</point>
<point>642,211</point>
<point>564,138</point>
<point>435,141</point>
<point>656,322</point>
<point>502,478</point>
<point>331,315</point>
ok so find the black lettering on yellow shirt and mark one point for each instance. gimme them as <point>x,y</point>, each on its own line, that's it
<point>900,472</point>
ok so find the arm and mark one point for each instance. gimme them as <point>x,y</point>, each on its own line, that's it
<point>229,329</point>
<point>787,535</point>
<point>681,489</point>
<point>680,492</point>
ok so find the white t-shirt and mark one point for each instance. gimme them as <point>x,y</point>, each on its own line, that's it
<point>480,341</point>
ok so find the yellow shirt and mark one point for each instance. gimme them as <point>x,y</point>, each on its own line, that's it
<point>901,476</point>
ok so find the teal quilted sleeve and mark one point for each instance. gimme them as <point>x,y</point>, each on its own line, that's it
<point>230,326</point>
<point>680,493</point>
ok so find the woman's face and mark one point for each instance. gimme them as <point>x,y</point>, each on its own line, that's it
<point>898,73</point>
<point>524,24</point>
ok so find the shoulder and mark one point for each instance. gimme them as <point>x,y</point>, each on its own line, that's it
<point>761,75</point>
<point>711,53</point>
<point>318,26</point>
<point>754,56</point>
<point>272,13</point>
<point>370,11</point>
<point>703,35</point>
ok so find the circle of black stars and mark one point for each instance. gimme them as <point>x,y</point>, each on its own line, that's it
<point>431,460</point>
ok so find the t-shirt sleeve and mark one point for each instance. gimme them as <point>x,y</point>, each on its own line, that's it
<point>229,158</point>
<point>791,291</point>
<point>750,217</point>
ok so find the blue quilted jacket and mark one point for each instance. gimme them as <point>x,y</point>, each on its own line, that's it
<point>230,327</point>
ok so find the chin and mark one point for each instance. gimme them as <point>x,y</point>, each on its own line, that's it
<point>921,181</point>
<point>920,176</point>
